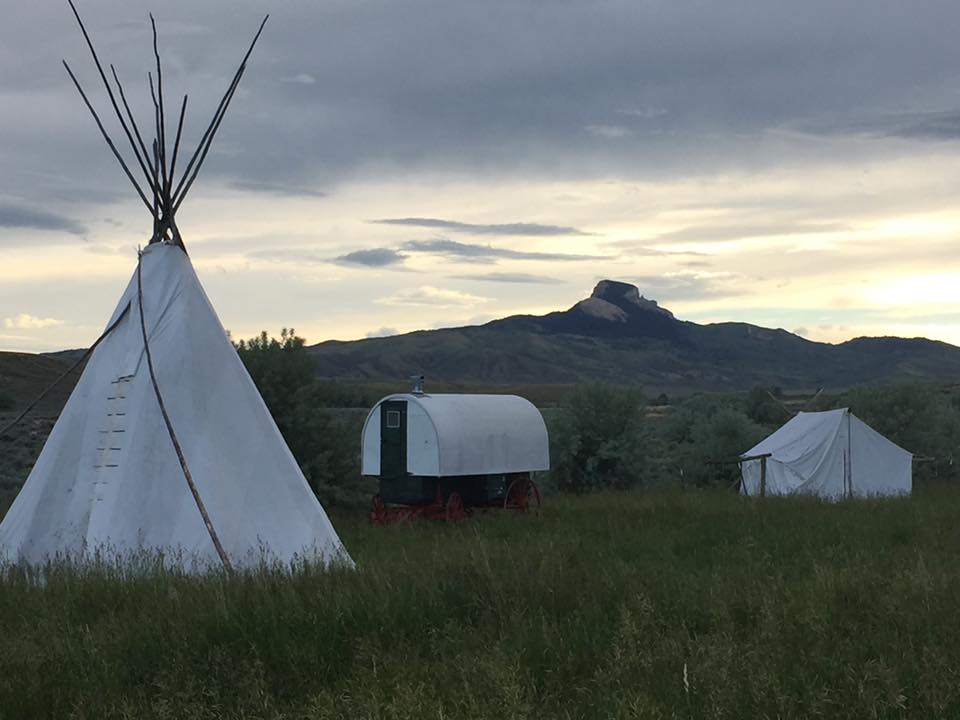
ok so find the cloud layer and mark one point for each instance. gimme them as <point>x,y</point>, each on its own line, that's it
<point>773,162</point>
<point>509,229</point>
<point>25,321</point>
<point>31,218</point>
<point>473,252</point>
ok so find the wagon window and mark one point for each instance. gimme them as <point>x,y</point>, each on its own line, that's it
<point>393,418</point>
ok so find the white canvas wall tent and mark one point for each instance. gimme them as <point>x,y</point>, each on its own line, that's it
<point>165,445</point>
<point>833,455</point>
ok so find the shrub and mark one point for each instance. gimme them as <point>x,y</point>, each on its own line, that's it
<point>325,446</point>
<point>919,418</point>
<point>707,430</point>
<point>280,368</point>
<point>600,440</point>
<point>763,408</point>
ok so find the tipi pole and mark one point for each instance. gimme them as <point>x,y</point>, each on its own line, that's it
<point>173,436</point>
<point>110,94</point>
<point>176,143</point>
<point>207,139</point>
<point>161,122</point>
<point>133,124</point>
<point>106,137</point>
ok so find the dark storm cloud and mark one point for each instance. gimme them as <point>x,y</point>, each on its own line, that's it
<point>941,125</point>
<point>929,126</point>
<point>530,229</point>
<point>374,258</point>
<point>487,253</point>
<point>369,258</point>
<point>515,88</point>
<point>21,216</point>
<point>277,189</point>
<point>507,277</point>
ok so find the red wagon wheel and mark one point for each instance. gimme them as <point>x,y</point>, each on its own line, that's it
<point>455,509</point>
<point>522,495</point>
<point>378,511</point>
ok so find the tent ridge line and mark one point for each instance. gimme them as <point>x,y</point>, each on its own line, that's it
<point>170,431</point>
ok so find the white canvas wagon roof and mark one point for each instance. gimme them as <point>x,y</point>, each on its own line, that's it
<point>830,454</point>
<point>460,434</point>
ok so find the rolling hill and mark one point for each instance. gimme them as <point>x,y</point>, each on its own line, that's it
<point>617,335</point>
<point>24,375</point>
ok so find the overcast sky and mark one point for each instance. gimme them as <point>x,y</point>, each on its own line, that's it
<point>390,166</point>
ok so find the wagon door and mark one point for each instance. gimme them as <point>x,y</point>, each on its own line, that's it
<point>393,439</point>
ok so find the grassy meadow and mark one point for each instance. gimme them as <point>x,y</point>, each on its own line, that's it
<point>638,604</point>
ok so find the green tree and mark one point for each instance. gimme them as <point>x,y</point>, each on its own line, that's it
<point>325,447</point>
<point>281,368</point>
<point>919,418</point>
<point>705,431</point>
<point>763,408</point>
<point>600,440</point>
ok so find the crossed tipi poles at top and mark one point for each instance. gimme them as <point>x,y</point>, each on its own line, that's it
<point>167,195</point>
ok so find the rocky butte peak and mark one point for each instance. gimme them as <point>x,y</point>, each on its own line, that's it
<point>625,297</point>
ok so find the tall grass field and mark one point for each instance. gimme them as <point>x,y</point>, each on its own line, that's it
<point>618,605</point>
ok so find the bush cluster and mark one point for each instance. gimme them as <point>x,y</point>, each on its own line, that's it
<point>922,419</point>
<point>601,440</point>
<point>703,434</point>
<point>324,442</point>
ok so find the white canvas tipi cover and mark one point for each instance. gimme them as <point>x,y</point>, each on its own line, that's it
<point>108,479</point>
<point>830,454</point>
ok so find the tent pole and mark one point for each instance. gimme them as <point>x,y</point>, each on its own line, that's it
<point>763,477</point>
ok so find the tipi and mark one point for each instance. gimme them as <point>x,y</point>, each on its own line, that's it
<point>165,445</point>
<point>832,454</point>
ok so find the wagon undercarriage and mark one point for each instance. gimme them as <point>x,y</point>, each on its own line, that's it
<point>454,499</point>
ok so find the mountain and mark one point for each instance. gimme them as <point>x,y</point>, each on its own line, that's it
<point>617,335</point>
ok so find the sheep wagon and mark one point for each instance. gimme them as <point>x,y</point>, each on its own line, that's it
<point>440,456</point>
